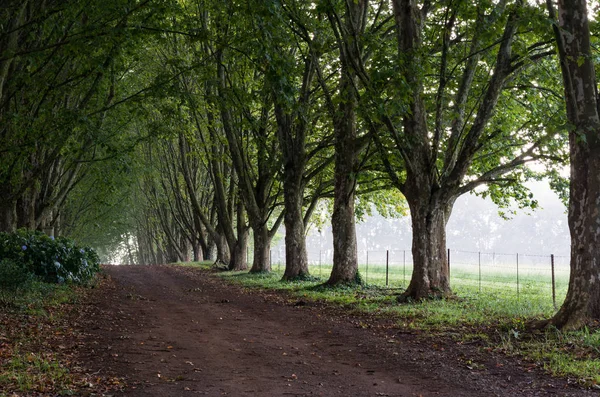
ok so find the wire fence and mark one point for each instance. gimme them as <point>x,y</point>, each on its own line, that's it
<point>524,276</point>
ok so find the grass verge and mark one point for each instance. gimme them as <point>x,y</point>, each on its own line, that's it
<point>39,340</point>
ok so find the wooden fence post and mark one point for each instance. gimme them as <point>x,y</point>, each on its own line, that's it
<point>387,267</point>
<point>553,281</point>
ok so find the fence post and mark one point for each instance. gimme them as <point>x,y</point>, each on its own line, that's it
<point>479,272</point>
<point>553,281</point>
<point>367,270</point>
<point>404,265</point>
<point>517,276</point>
<point>387,266</point>
<point>448,264</point>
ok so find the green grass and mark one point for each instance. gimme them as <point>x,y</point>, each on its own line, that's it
<point>574,354</point>
<point>29,372</point>
<point>27,315</point>
<point>472,308</point>
<point>493,312</point>
<point>202,264</point>
<point>35,297</point>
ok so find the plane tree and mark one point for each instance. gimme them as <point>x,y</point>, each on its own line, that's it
<point>230,111</point>
<point>574,43</point>
<point>458,99</point>
<point>303,133</point>
<point>313,82</point>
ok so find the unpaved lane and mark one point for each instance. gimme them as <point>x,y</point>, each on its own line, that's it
<point>177,332</point>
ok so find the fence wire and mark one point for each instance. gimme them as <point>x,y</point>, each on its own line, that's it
<point>526,276</point>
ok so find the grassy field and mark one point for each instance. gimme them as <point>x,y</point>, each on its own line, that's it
<point>491,312</point>
<point>532,289</point>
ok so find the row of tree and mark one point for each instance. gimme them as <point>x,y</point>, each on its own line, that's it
<point>178,127</point>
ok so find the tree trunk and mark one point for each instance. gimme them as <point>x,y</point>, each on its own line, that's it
<point>223,251</point>
<point>26,209</point>
<point>345,261</point>
<point>430,276</point>
<point>209,251</point>
<point>262,244</point>
<point>197,251</point>
<point>184,248</point>
<point>56,225</point>
<point>291,132</point>
<point>296,257</point>
<point>239,259</point>
<point>8,216</point>
<point>582,302</point>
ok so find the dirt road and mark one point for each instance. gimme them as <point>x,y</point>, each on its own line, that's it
<point>173,331</point>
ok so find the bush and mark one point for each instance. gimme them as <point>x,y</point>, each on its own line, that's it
<point>13,274</point>
<point>53,260</point>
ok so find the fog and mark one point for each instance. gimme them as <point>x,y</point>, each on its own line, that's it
<point>474,225</point>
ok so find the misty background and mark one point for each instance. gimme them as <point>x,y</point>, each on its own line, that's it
<point>475,225</point>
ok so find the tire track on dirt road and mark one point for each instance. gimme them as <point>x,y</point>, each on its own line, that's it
<point>173,331</point>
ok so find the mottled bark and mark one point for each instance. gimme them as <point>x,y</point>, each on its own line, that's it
<point>197,253</point>
<point>296,257</point>
<point>262,244</point>
<point>431,277</point>
<point>209,251</point>
<point>26,209</point>
<point>223,251</point>
<point>239,259</point>
<point>345,260</point>
<point>291,133</point>
<point>582,302</point>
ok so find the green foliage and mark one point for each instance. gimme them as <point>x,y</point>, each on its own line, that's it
<point>52,260</point>
<point>12,274</point>
<point>386,202</point>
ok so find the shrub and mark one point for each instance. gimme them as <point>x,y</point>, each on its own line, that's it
<point>53,260</point>
<point>13,274</point>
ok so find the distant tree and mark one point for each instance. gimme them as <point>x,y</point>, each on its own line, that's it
<point>63,66</point>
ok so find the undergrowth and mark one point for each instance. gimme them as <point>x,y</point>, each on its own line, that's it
<point>23,311</point>
<point>36,339</point>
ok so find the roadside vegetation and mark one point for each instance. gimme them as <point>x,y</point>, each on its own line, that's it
<point>494,320</point>
<point>42,283</point>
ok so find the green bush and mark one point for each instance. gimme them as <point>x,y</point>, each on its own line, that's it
<point>53,260</point>
<point>13,274</point>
